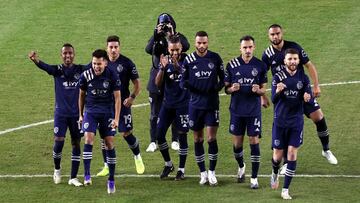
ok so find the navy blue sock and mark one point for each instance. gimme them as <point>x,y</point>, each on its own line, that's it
<point>111,161</point>
<point>75,161</point>
<point>200,155</point>
<point>57,153</point>
<point>238,154</point>
<point>255,159</point>
<point>213,153</point>
<point>103,151</point>
<point>87,156</point>
<point>323,133</point>
<point>183,151</point>
<point>153,125</point>
<point>290,172</point>
<point>133,143</point>
<point>275,165</point>
<point>164,149</point>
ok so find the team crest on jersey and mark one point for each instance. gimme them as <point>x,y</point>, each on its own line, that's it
<point>77,76</point>
<point>119,68</point>
<point>277,142</point>
<point>299,85</point>
<point>254,72</point>
<point>86,125</point>
<point>211,65</point>
<point>56,130</point>
<point>106,84</point>
<point>134,71</point>
<point>232,127</point>
<point>304,54</point>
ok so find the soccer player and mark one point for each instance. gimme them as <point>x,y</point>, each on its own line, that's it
<point>245,80</point>
<point>156,46</point>
<point>126,71</point>
<point>100,94</point>
<point>174,107</point>
<point>66,115</point>
<point>273,56</point>
<point>290,89</point>
<point>203,76</point>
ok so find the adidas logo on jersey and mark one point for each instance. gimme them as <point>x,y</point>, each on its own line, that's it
<point>237,73</point>
<point>194,67</point>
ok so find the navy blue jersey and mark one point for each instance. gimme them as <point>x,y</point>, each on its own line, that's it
<point>127,71</point>
<point>66,87</point>
<point>99,90</point>
<point>288,103</point>
<point>245,102</point>
<point>174,95</point>
<point>275,58</point>
<point>204,77</point>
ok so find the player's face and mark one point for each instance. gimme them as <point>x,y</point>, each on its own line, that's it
<point>201,44</point>
<point>67,55</point>
<point>175,50</point>
<point>113,50</point>
<point>99,65</point>
<point>291,61</point>
<point>275,35</point>
<point>247,48</point>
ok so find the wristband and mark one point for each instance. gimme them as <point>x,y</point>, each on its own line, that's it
<point>133,96</point>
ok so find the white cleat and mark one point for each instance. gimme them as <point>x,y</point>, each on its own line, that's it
<point>274,181</point>
<point>111,187</point>
<point>75,182</point>
<point>203,178</point>
<point>329,156</point>
<point>212,178</point>
<point>57,176</point>
<point>87,180</point>
<point>285,194</point>
<point>282,169</point>
<point>254,184</point>
<point>175,146</point>
<point>152,147</point>
<point>241,174</point>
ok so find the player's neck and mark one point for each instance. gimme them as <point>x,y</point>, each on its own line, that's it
<point>201,54</point>
<point>291,72</point>
<point>68,65</point>
<point>246,59</point>
<point>114,59</point>
<point>279,46</point>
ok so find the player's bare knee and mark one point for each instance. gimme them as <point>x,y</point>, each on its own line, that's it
<point>59,139</point>
<point>254,139</point>
<point>316,115</point>
<point>109,142</point>
<point>125,134</point>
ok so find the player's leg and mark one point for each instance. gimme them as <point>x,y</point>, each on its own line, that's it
<point>89,126</point>
<point>60,127</point>
<point>212,123</point>
<point>155,105</point>
<point>237,129</point>
<point>278,144</point>
<point>166,116</point>
<point>105,170</point>
<point>174,137</point>
<point>76,135</point>
<point>181,122</point>
<point>254,130</point>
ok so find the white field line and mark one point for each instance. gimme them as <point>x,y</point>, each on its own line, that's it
<point>146,104</point>
<point>190,176</point>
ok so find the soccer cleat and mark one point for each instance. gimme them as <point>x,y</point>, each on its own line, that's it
<point>140,168</point>
<point>212,178</point>
<point>166,171</point>
<point>254,183</point>
<point>329,156</point>
<point>203,178</point>
<point>152,147</point>
<point>241,174</point>
<point>111,187</point>
<point>57,176</point>
<point>285,194</point>
<point>104,172</point>
<point>274,180</point>
<point>180,175</point>
<point>175,146</point>
<point>282,169</point>
<point>75,182</point>
<point>87,180</point>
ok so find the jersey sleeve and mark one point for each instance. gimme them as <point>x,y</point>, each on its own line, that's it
<point>263,74</point>
<point>50,69</point>
<point>184,74</point>
<point>304,58</point>
<point>82,82</point>
<point>221,74</point>
<point>274,96</point>
<point>227,77</point>
<point>184,42</point>
<point>307,86</point>
<point>134,74</point>
<point>265,59</point>
<point>115,82</point>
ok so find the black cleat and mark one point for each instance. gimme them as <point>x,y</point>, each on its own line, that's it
<point>166,171</point>
<point>180,176</point>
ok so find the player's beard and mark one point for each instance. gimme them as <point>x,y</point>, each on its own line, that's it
<point>276,42</point>
<point>202,50</point>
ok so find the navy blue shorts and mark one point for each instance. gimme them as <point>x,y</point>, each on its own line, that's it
<point>125,120</point>
<point>198,118</point>
<point>178,116</point>
<point>61,123</point>
<point>101,121</point>
<point>310,107</point>
<point>239,124</point>
<point>283,137</point>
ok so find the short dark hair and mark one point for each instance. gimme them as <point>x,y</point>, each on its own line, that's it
<point>100,53</point>
<point>68,45</point>
<point>174,39</point>
<point>113,38</point>
<point>291,51</point>
<point>201,34</point>
<point>275,26</point>
<point>247,38</point>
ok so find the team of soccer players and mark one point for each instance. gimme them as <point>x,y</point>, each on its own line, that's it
<point>97,96</point>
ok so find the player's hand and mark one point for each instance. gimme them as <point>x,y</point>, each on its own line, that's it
<point>307,97</point>
<point>33,56</point>
<point>265,101</point>
<point>255,88</point>
<point>158,28</point>
<point>280,87</point>
<point>128,102</point>
<point>114,124</point>
<point>235,87</point>
<point>316,91</point>
<point>81,118</point>
<point>164,60</point>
